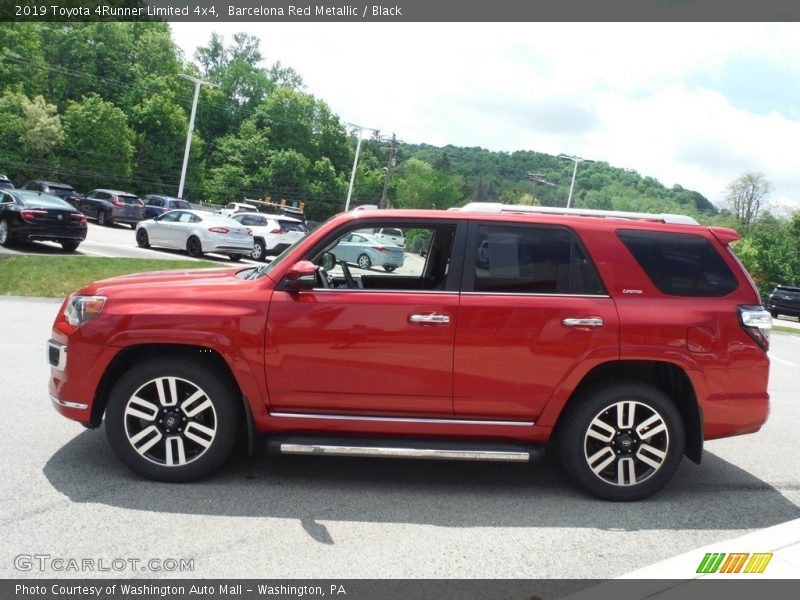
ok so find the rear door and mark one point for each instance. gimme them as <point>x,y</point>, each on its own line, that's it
<point>533,312</point>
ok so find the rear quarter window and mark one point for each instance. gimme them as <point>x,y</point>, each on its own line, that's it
<point>680,264</point>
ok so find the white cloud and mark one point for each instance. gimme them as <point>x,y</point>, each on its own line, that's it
<point>639,96</point>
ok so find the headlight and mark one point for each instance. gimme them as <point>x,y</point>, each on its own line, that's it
<point>83,308</point>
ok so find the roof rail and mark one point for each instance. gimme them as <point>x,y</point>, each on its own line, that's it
<point>498,208</point>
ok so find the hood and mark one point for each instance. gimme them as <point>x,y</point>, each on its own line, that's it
<point>160,284</point>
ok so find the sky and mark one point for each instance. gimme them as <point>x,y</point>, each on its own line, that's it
<point>695,104</point>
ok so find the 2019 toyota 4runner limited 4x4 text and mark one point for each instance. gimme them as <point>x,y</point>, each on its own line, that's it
<point>622,341</point>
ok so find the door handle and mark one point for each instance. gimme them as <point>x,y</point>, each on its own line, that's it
<point>438,319</point>
<point>583,322</point>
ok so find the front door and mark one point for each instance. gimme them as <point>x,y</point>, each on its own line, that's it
<point>380,344</point>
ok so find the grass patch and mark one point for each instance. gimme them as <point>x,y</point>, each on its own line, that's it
<point>57,276</point>
<point>783,329</point>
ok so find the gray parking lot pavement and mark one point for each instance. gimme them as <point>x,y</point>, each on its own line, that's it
<point>65,495</point>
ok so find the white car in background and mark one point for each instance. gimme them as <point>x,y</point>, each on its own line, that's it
<point>197,232</point>
<point>390,235</point>
<point>272,234</point>
<point>234,208</point>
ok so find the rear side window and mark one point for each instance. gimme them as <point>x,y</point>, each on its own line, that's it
<point>132,200</point>
<point>291,226</point>
<point>680,264</point>
<point>532,260</point>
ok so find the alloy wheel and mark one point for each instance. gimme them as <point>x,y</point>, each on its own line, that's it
<point>170,421</point>
<point>626,443</point>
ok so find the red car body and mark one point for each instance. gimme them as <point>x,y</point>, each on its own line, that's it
<point>349,362</point>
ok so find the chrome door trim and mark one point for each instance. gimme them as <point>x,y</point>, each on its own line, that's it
<point>285,415</point>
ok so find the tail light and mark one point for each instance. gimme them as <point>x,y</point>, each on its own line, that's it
<point>79,218</point>
<point>115,201</point>
<point>31,215</point>
<point>380,248</point>
<point>756,322</point>
<point>218,229</point>
<point>276,230</point>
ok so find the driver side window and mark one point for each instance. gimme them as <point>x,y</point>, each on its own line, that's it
<point>363,260</point>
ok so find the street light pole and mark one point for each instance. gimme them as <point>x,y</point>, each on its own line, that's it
<point>197,84</point>
<point>576,160</point>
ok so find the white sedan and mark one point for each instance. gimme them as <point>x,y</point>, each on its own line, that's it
<point>196,232</point>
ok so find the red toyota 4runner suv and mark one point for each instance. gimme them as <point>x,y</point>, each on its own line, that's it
<point>622,340</point>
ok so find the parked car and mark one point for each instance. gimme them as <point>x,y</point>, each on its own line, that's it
<point>5,183</point>
<point>233,208</point>
<point>62,190</point>
<point>367,251</point>
<point>33,216</point>
<point>272,234</point>
<point>391,235</point>
<point>784,300</point>
<point>621,341</point>
<point>197,232</point>
<point>155,205</point>
<point>113,206</point>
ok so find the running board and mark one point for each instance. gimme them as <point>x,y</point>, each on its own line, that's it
<point>404,448</point>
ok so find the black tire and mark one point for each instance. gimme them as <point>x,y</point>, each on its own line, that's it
<point>235,257</point>
<point>69,245</point>
<point>774,314</point>
<point>627,463</point>
<point>259,250</point>
<point>364,261</point>
<point>5,233</point>
<point>103,218</point>
<point>194,248</point>
<point>142,239</point>
<point>134,409</point>
<point>389,268</point>
<point>133,226</point>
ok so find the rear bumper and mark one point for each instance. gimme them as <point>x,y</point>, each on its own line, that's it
<point>39,233</point>
<point>735,401</point>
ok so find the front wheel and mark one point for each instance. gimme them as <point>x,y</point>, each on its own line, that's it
<point>5,236</point>
<point>364,261</point>
<point>389,268</point>
<point>235,257</point>
<point>621,441</point>
<point>103,218</point>
<point>172,419</point>
<point>142,239</point>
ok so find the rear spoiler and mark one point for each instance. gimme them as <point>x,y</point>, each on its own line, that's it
<point>725,235</point>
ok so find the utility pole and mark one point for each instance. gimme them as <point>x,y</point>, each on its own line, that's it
<point>537,178</point>
<point>576,160</point>
<point>355,164</point>
<point>197,84</point>
<point>389,166</point>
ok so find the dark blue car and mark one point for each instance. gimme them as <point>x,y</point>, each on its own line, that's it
<point>155,205</point>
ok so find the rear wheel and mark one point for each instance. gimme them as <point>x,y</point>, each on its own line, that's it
<point>389,268</point>
<point>142,239</point>
<point>5,236</point>
<point>172,419</point>
<point>364,261</point>
<point>70,245</point>
<point>194,248</point>
<point>622,441</point>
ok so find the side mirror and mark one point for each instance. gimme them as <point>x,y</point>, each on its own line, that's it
<point>300,276</point>
<point>327,260</point>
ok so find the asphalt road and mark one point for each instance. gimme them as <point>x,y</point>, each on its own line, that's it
<point>65,495</point>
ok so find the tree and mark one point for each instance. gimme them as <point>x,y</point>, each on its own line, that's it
<point>30,132</point>
<point>745,195</point>
<point>419,185</point>
<point>98,143</point>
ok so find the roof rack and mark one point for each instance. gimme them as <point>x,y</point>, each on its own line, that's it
<point>498,208</point>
